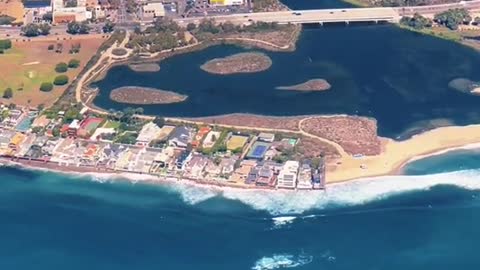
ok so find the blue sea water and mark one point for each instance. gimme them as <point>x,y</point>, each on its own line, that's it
<point>417,221</point>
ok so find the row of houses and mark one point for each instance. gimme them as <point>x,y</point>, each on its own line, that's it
<point>240,158</point>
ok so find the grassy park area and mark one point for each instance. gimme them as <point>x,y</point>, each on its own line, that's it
<point>28,64</point>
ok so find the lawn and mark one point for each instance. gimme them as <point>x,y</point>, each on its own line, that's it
<point>111,124</point>
<point>29,63</point>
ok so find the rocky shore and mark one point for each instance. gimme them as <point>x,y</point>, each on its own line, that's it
<point>145,96</point>
<point>238,63</point>
<point>310,85</point>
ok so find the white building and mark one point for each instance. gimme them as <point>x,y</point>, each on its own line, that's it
<point>305,177</point>
<point>153,10</point>
<point>287,178</point>
<point>149,132</point>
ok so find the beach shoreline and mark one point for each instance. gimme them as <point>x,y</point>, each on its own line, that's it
<point>134,177</point>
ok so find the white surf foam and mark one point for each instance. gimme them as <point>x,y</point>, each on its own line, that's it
<point>279,222</point>
<point>281,202</point>
<point>278,261</point>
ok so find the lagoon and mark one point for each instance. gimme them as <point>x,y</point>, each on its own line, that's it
<point>398,77</point>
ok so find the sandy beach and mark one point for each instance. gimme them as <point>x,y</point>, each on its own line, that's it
<point>396,154</point>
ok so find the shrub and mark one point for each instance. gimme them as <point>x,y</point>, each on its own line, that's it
<point>119,52</point>
<point>46,87</point>
<point>8,93</point>
<point>5,44</point>
<point>61,80</point>
<point>61,67</point>
<point>51,47</point>
<point>74,63</point>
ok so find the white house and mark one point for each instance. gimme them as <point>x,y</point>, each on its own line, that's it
<point>287,178</point>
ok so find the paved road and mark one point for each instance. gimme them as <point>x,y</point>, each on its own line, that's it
<point>338,15</point>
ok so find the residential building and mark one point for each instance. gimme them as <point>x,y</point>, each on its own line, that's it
<point>266,137</point>
<point>287,178</point>
<point>73,128</point>
<point>149,132</point>
<point>152,10</point>
<point>196,165</point>
<point>180,137</point>
<point>305,177</point>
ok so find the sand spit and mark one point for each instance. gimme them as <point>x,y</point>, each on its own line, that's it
<point>308,86</point>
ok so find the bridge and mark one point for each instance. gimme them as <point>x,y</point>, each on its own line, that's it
<point>346,15</point>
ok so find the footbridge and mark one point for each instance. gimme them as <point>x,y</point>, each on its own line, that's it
<point>345,15</point>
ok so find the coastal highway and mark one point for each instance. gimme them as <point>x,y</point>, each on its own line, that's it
<point>373,14</point>
<point>338,15</point>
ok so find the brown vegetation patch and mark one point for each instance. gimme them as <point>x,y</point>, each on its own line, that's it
<point>356,135</point>
<point>310,85</point>
<point>254,121</point>
<point>144,67</point>
<point>311,147</point>
<point>238,63</point>
<point>144,95</point>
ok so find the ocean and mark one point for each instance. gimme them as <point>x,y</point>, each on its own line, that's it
<point>419,220</point>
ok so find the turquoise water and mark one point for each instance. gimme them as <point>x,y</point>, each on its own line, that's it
<point>55,221</point>
<point>427,219</point>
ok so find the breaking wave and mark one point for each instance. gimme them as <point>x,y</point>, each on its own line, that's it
<point>278,261</point>
<point>284,202</point>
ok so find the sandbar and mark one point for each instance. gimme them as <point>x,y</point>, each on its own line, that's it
<point>308,86</point>
<point>396,154</point>
<point>238,63</point>
<point>144,67</point>
<point>145,95</point>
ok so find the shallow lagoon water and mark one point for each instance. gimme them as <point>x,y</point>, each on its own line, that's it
<point>398,77</point>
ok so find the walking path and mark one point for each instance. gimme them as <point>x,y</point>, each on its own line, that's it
<point>107,58</point>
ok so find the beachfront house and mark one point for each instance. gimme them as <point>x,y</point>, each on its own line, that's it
<point>305,176</point>
<point>180,137</point>
<point>149,132</point>
<point>287,178</point>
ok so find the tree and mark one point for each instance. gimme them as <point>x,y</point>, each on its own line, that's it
<point>30,30</point>
<point>452,18</point>
<point>476,20</point>
<point>51,47</point>
<point>60,80</point>
<point>163,24</point>
<point>5,44</point>
<point>61,67</point>
<point>417,21</point>
<point>108,27</point>
<point>159,121</point>
<point>228,27</point>
<point>75,28</point>
<point>191,26</point>
<point>74,63</point>
<point>5,19</point>
<point>44,29</point>
<point>8,93</point>
<point>46,87</point>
